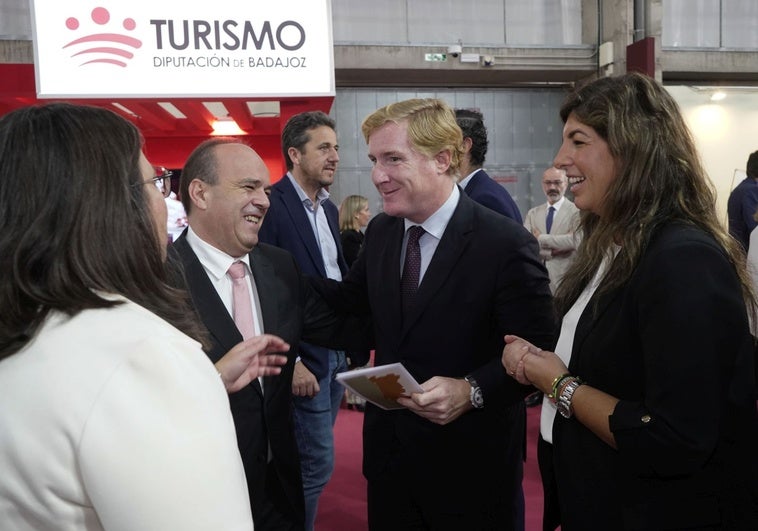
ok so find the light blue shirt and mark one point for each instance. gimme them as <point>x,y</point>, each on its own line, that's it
<point>320,226</point>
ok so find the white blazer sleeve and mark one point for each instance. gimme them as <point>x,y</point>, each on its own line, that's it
<point>159,452</point>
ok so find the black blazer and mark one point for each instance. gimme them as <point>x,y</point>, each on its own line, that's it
<point>485,280</point>
<point>291,310</point>
<point>673,345</point>
<point>352,240</point>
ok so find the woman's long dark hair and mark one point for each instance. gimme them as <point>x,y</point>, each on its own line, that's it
<point>75,221</point>
<point>660,179</point>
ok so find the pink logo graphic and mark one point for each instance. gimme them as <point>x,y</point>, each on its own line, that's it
<point>104,47</point>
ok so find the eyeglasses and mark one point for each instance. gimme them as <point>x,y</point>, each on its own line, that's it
<point>162,180</point>
<point>552,183</point>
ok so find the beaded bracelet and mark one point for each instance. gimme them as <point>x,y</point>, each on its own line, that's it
<point>556,384</point>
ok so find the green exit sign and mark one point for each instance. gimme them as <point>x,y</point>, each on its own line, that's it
<point>435,57</point>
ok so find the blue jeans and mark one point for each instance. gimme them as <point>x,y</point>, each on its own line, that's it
<point>314,423</point>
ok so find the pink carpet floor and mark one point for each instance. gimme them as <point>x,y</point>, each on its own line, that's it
<point>343,503</point>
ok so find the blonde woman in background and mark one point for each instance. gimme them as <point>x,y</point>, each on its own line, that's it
<point>354,215</point>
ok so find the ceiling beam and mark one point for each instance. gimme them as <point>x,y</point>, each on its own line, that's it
<point>197,114</point>
<point>150,114</point>
<point>240,113</point>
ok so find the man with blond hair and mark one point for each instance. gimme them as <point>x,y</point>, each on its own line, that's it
<point>444,278</point>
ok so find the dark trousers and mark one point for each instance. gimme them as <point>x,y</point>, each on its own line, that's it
<point>401,504</point>
<point>551,514</point>
<point>272,511</point>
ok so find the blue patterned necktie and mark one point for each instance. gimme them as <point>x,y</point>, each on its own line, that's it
<point>549,220</point>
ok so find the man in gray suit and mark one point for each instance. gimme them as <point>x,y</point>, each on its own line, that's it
<point>555,224</point>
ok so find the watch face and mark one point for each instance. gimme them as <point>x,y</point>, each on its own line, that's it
<point>477,398</point>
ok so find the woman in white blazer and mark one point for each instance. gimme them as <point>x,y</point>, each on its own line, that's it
<point>111,415</point>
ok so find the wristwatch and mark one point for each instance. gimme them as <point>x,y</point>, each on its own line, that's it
<point>563,403</point>
<point>477,400</point>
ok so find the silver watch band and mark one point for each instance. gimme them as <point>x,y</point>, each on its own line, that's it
<point>563,403</point>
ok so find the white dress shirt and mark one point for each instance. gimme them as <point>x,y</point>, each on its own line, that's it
<point>566,340</point>
<point>557,205</point>
<point>216,264</point>
<point>434,226</point>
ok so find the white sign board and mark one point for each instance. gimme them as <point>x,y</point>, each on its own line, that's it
<point>175,48</point>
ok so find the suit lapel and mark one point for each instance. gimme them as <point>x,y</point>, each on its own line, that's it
<point>475,182</point>
<point>589,319</point>
<point>540,218</point>
<point>263,270</point>
<point>559,220</point>
<point>207,303</point>
<point>452,245</point>
<point>383,262</point>
<point>332,219</point>
<point>296,211</point>
<point>563,218</point>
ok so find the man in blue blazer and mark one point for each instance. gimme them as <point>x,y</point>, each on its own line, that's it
<point>743,202</point>
<point>303,220</point>
<point>477,184</point>
<point>441,299</point>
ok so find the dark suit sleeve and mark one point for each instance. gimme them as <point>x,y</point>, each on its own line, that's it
<point>523,307</point>
<point>504,205</point>
<point>283,227</point>
<point>749,207</point>
<point>327,327</point>
<point>267,232</point>
<point>696,351</point>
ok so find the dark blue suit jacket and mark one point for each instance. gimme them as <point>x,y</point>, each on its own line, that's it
<point>741,207</point>
<point>485,280</point>
<point>286,225</point>
<point>485,191</point>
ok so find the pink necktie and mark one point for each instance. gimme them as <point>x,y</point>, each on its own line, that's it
<point>241,304</point>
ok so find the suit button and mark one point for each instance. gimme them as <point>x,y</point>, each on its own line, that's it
<point>645,419</point>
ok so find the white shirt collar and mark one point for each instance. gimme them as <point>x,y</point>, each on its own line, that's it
<point>321,196</point>
<point>437,222</point>
<point>558,204</point>
<point>215,261</point>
